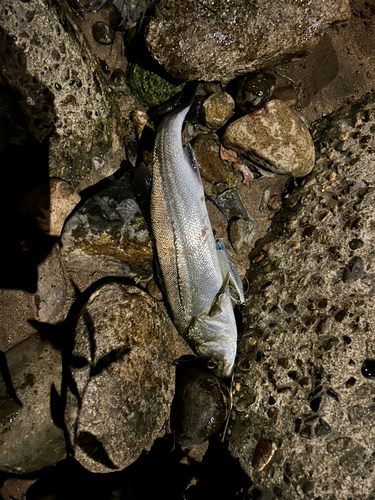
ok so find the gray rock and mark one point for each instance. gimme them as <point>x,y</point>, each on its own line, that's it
<point>102,33</point>
<point>125,382</point>
<point>108,233</point>
<point>130,11</point>
<point>49,299</point>
<point>218,41</point>
<point>50,204</point>
<point>217,109</point>
<point>295,289</point>
<point>274,137</point>
<point>29,439</point>
<point>230,201</point>
<point>46,60</point>
<point>241,234</point>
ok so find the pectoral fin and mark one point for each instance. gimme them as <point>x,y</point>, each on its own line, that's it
<point>234,277</point>
<point>216,306</point>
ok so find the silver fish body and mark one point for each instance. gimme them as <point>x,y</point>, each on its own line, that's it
<point>195,274</point>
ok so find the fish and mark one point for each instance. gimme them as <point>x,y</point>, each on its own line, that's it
<point>195,273</point>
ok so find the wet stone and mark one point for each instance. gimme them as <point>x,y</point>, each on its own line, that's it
<point>206,148</point>
<point>368,368</point>
<point>200,406</point>
<point>275,138</point>
<point>122,367</point>
<point>118,80</point>
<point>263,453</point>
<point>217,109</point>
<point>354,270</point>
<point>232,205</point>
<point>102,33</point>
<point>108,233</point>
<point>254,91</point>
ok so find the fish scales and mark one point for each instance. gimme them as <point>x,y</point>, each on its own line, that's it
<point>186,249</point>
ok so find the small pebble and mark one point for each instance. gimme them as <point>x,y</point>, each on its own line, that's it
<point>217,109</point>
<point>102,33</point>
<point>263,453</point>
<point>254,91</point>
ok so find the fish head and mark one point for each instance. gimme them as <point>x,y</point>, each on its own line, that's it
<point>214,340</point>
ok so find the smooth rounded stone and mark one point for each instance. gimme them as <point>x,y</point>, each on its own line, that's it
<point>122,366</point>
<point>200,406</point>
<point>109,234</point>
<point>217,109</point>
<point>50,204</point>
<point>206,148</point>
<point>102,33</point>
<point>274,137</point>
<point>30,385</point>
<point>242,233</point>
<point>323,423</point>
<point>149,88</point>
<point>63,94</point>
<point>217,43</point>
<point>49,299</point>
<point>253,91</point>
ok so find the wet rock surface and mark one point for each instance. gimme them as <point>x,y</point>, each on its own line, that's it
<point>307,327</point>
<point>217,109</point>
<point>274,137</point>
<point>122,375</point>
<point>55,102</point>
<point>197,41</point>
<point>109,233</point>
<point>30,384</point>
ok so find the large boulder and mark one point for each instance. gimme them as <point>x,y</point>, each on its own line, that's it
<point>302,424</point>
<point>219,40</point>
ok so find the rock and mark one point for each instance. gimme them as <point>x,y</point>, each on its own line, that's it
<point>206,148</point>
<point>230,201</point>
<point>45,60</point>
<point>200,406</point>
<point>263,453</point>
<point>49,299</point>
<point>109,234</point>
<point>50,204</point>
<point>130,11</point>
<point>102,33</point>
<point>216,42</point>
<point>29,438</point>
<point>323,426</point>
<point>217,109</point>
<point>148,87</point>
<point>242,233</point>
<point>254,91</point>
<point>118,81</point>
<point>154,290</point>
<point>275,138</point>
<point>124,376</point>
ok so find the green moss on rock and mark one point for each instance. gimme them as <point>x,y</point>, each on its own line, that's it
<point>148,87</point>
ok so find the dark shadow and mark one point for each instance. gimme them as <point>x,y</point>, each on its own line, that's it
<point>26,122</point>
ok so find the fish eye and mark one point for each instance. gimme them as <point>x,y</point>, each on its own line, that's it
<point>212,364</point>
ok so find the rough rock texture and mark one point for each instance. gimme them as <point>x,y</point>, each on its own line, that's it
<point>123,374</point>
<point>50,204</point>
<point>49,299</point>
<point>274,137</point>
<point>108,233</point>
<point>206,149</point>
<point>220,40</point>
<point>308,328</point>
<point>44,59</point>
<point>31,377</point>
<point>217,109</point>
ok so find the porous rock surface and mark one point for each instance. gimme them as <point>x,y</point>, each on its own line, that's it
<point>274,137</point>
<point>308,328</point>
<point>219,40</point>
<point>31,374</point>
<point>45,60</point>
<point>123,377</point>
